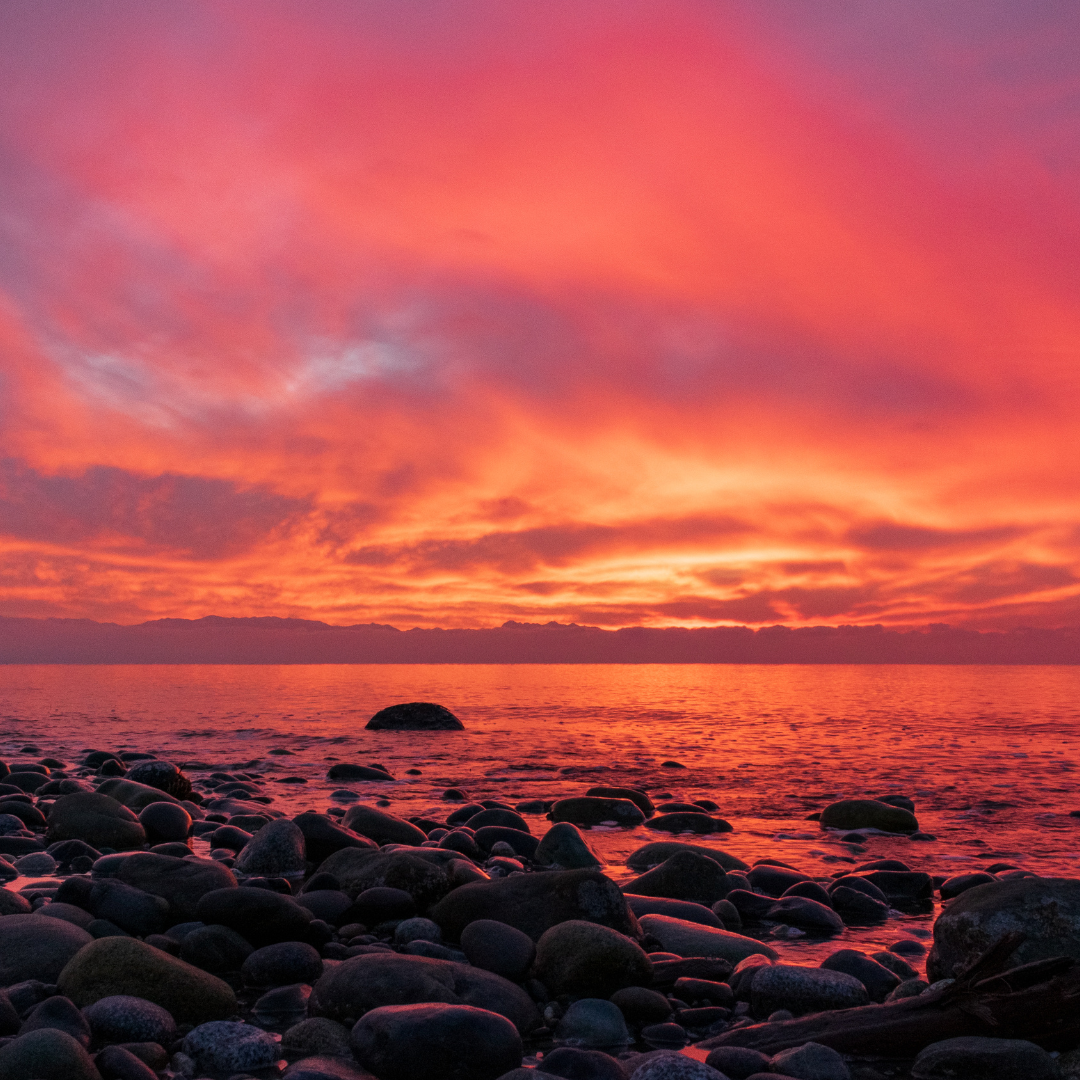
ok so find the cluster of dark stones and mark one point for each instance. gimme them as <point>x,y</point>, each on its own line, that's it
<point>358,944</point>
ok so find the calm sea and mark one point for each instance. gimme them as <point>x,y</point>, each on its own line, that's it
<point>988,754</point>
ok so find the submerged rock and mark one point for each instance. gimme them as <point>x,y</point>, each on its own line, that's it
<point>415,716</point>
<point>868,814</point>
<point>589,810</point>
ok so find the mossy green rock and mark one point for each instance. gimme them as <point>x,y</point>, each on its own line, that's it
<point>97,820</point>
<point>46,1054</point>
<point>868,814</point>
<point>584,959</point>
<point>122,965</point>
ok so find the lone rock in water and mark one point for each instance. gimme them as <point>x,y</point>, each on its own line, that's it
<point>415,716</point>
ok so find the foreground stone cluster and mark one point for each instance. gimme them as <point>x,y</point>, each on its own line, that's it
<point>354,943</point>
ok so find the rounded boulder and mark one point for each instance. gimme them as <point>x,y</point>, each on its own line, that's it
<point>96,820</point>
<point>584,959</point>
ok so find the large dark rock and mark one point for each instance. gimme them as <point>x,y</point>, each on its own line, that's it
<point>534,903</point>
<point>676,909</point>
<point>133,795</point>
<point>564,848</point>
<point>323,836</point>
<point>36,947</point>
<point>47,1054</point>
<point>355,986</point>
<point>804,990</point>
<point>498,817</point>
<point>183,882</point>
<point>496,947</point>
<point>436,1042</point>
<point>638,798</point>
<point>351,770</point>
<point>127,1019</point>
<point>380,827</point>
<point>276,850</point>
<point>588,810</point>
<point>868,814</point>
<point>357,871</point>
<point>122,965</point>
<point>214,948</point>
<point>775,880</point>
<point>415,716</point>
<point>96,819</point>
<point>263,917</point>
<point>1045,910</point>
<point>682,822</point>
<point>878,980</point>
<point>693,939</point>
<point>656,852</point>
<point>976,1057</point>
<point>282,964</point>
<point>165,822</point>
<point>162,775</point>
<point>686,875</point>
<point>584,959</point>
<point>131,909</point>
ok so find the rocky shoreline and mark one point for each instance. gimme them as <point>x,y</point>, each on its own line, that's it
<point>167,922</point>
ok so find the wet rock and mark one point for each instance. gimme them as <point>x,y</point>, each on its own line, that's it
<point>281,964</point>
<point>182,882</point>
<point>26,781</point>
<point>978,1058</point>
<point>901,885</point>
<point>217,949</point>
<point>60,1013</point>
<point>227,1046</point>
<point>878,979</point>
<point>276,850</point>
<point>592,1023</point>
<point>522,844</point>
<point>737,1062</point>
<point>135,796</point>
<point>350,770</point>
<point>688,822</point>
<point>461,841</point>
<point>804,990</point>
<point>131,909</point>
<point>686,875</point>
<point>954,886</point>
<point>896,964</point>
<point>12,903</point>
<point>535,902</point>
<point>692,939</point>
<point>639,798</point>
<point>47,1054</point>
<point>658,851</point>
<point>96,820</point>
<point>382,904</point>
<point>162,775</point>
<point>775,880</point>
<point>415,716</point>
<point>36,947</point>
<point>584,959</point>
<point>123,1018</point>
<point>589,810</point>
<point>125,966</point>
<point>496,947</point>
<point>499,818</point>
<point>381,827</point>
<point>262,916</point>
<point>36,864</point>
<point>669,1065</point>
<point>642,1006</point>
<point>574,1063</point>
<point>676,909</point>
<point>326,1068</point>
<point>857,908</point>
<point>165,821</point>
<point>323,836</point>
<point>868,814</point>
<point>1045,910</point>
<point>811,1061</point>
<point>806,914</point>
<point>351,988</point>
<point>317,1036</point>
<point>811,890</point>
<point>358,871</point>
<point>25,815</point>
<point>435,1041</point>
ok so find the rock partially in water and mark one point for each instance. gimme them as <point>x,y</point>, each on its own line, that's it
<point>36,947</point>
<point>806,914</point>
<point>656,852</point>
<point>686,875</point>
<point>349,989</point>
<point>1045,910</point>
<point>976,1057</point>
<point>351,770</point>
<point>868,814</point>
<point>534,903</point>
<point>804,990</point>
<point>589,810</point>
<point>496,947</point>
<point>381,827</point>
<point>97,820</point>
<point>415,716</point>
<point>954,886</point>
<point>114,966</point>
<point>225,1047</point>
<point>36,864</point>
<point>162,775</point>
<point>639,798</point>
<point>47,1054</point>
<point>692,939</point>
<point>432,1042</point>
<point>276,850</point>
<point>683,822</point>
<point>584,959</point>
<point>592,1023</point>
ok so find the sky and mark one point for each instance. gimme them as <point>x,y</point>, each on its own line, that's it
<point>451,312</point>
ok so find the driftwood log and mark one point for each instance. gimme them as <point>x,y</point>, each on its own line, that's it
<point>1039,1002</point>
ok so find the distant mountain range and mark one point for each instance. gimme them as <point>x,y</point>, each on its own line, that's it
<point>216,640</point>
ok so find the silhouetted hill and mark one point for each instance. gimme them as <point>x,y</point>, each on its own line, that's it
<point>217,640</point>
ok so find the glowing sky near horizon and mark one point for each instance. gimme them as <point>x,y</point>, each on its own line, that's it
<point>448,312</point>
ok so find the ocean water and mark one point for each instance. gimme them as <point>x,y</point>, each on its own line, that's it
<point>988,754</point>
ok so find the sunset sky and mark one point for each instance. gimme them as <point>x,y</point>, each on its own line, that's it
<point>448,312</point>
